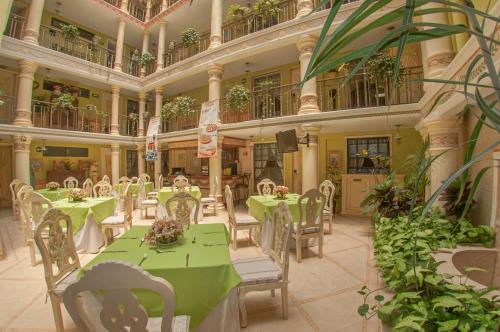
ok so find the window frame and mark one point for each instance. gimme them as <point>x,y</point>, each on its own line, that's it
<point>377,170</point>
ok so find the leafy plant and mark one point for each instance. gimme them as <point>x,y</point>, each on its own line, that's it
<point>146,59</point>
<point>190,36</point>
<point>65,100</point>
<point>237,11</point>
<point>381,67</point>
<point>238,97</point>
<point>168,111</point>
<point>184,105</point>
<point>267,8</point>
<point>455,198</point>
<point>70,32</point>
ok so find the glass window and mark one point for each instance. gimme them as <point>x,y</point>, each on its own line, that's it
<point>268,163</point>
<point>365,154</point>
<point>132,169</point>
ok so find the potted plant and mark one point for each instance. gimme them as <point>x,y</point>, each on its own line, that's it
<point>65,100</point>
<point>146,59</point>
<point>168,111</point>
<point>236,12</point>
<point>190,36</point>
<point>70,32</point>
<point>76,195</point>
<point>184,105</point>
<point>381,68</point>
<point>267,8</point>
<point>238,97</point>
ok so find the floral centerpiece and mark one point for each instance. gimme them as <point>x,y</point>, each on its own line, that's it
<point>163,232</point>
<point>281,192</point>
<point>76,195</point>
<point>52,186</point>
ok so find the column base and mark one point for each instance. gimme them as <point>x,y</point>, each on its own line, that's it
<point>30,36</point>
<point>23,118</point>
<point>117,66</point>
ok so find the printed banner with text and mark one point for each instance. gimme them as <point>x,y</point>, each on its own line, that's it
<point>207,129</point>
<point>151,138</point>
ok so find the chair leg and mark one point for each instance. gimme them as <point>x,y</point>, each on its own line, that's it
<point>320,243</point>
<point>298,248</point>
<point>215,208</point>
<point>284,300</point>
<point>235,238</point>
<point>243,310</point>
<point>250,236</point>
<point>56,310</point>
<point>330,224</point>
<point>105,236</point>
<point>32,253</point>
<point>273,293</point>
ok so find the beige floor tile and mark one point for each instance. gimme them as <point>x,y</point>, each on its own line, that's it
<point>272,321</point>
<point>339,241</point>
<point>354,260</point>
<point>16,296</point>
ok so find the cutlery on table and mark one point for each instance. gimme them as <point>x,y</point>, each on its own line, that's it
<point>113,251</point>
<point>128,238</point>
<point>212,232</point>
<point>194,240</point>
<point>187,259</point>
<point>163,251</point>
<point>142,241</point>
<point>215,244</point>
<point>143,259</point>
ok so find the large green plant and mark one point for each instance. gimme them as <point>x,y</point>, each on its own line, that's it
<point>238,97</point>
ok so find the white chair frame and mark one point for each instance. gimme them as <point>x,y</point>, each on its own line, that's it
<point>106,178</point>
<point>88,187</point>
<point>178,207</point>
<point>12,186</point>
<point>70,182</point>
<point>327,188</point>
<point>210,201</point>
<point>266,187</point>
<point>121,221</point>
<point>142,201</point>
<point>242,223</point>
<point>103,189</point>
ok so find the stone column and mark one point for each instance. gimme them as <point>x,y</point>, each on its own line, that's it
<point>142,109</point>
<point>140,158</point>
<point>33,21</point>
<point>444,135</point>
<point>120,36</point>
<point>158,105</point>
<point>310,158</point>
<point>304,7</point>
<point>164,5</point>
<point>24,93</point>
<point>145,49</point>
<point>216,24</point>
<point>215,72</point>
<point>161,45</point>
<point>115,163</point>
<point>22,157</point>
<point>124,6</point>
<point>115,110</point>
<point>436,53</point>
<point>148,10</point>
<point>308,95</point>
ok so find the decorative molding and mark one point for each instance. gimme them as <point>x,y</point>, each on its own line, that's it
<point>441,141</point>
<point>440,60</point>
<point>22,143</point>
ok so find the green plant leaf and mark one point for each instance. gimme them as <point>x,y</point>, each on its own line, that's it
<point>448,325</point>
<point>379,298</point>
<point>363,309</point>
<point>446,302</point>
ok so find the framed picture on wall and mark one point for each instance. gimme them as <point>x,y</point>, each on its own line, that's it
<point>334,158</point>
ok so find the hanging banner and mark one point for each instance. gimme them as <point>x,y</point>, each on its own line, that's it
<point>152,139</point>
<point>207,129</point>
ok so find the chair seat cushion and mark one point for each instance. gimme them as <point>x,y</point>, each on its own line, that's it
<point>307,230</point>
<point>208,200</point>
<point>246,220</point>
<point>113,220</point>
<point>64,283</point>
<point>149,202</point>
<point>179,324</point>
<point>257,270</point>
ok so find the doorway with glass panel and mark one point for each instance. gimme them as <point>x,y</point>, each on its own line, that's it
<point>267,96</point>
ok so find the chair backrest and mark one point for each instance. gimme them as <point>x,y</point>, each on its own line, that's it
<point>124,179</point>
<point>134,179</point>
<point>121,310</point>
<point>58,251</point>
<point>228,195</point>
<point>70,182</point>
<point>327,188</point>
<point>280,244</point>
<point>145,177</point>
<point>266,187</point>
<point>309,213</point>
<point>128,206</point>
<point>87,187</point>
<point>36,205</point>
<point>179,208</point>
<point>52,183</point>
<point>106,178</point>
<point>24,203</point>
<point>181,182</point>
<point>159,185</point>
<point>103,189</point>
<point>18,187</point>
<point>12,187</point>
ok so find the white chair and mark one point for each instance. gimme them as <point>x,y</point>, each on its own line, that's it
<point>117,308</point>
<point>238,224</point>
<point>206,202</point>
<point>327,188</point>
<point>87,187</point>
<point>271,271</point>
<point>124,179</point>
<point>119,221</point>
<point>145,177</point>
<point>15,207</point>
<point>154,193</point>
<point>25,216</point>
<point>103,189</point>
<point>180,208</point>
<point>142,201</point>
<point>70,182</point>
<point>106,178</point>
<point>266,187</point>
<point>181,182</point>
<point>310,224</point>
<point>60,260</point>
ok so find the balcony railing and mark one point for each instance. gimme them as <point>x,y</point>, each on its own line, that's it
<point>130,67</point>
<point>155,8</point>
<point>180,51</point>
<point>47,115</point>
<point>181,122</point>
<point>254,22</point>
<point>136,10</point>
<point>15,26</point>
<point>116,3</point>
<point>361,91</point>
<point>7,107</point>
<point>53,38</point>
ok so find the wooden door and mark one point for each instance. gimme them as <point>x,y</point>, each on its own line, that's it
<point>6,171</point>
<point>355,187</point>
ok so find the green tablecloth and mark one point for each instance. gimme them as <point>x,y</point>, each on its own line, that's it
<point>261,207</point>
<point>135,187</point>
<point>101,208</point>
<point>198,288</point>
<point>54,195</point>
<point>167,192</point>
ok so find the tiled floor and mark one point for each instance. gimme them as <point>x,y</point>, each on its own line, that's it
<point>323,292</point>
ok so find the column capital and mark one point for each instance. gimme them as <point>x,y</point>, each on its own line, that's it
<point>27,67</point>
<point>306,43</point>
<point>443,133</point>
<point>159,90</point>
<point>21,143</point>
<point>215,70</point>
<point>312,130</point>
<point>115,89</point>
<point>140,147</point>
<point>115,147</point>
<point>142,96</point>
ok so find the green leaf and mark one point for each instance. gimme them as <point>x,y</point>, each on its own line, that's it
<point>446,302</point>
<point>448,325</point>
<point>379,298</point>
<point>409,322</point>
<point>473,190</point>
<point>433,279</point>
<point>469,269</point>
<point>363,309</point>
<point>408,295</point>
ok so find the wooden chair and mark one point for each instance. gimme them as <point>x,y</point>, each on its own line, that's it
<point>106,178</point>
<point>142,201</point>
<point>13,194</point>
<point>179,207</point>
<point>103,189</point>
<point>327,188</point>
<point>241,223</point>
<point>154,193</point>
<point>266,187</point>
<point>310,223</point>
<point>87,187</point>
<point>25,216</point>
<point>70,182</point>
<point>206,202</point>
<point>120,221</point>
<point>181,182</point>
<point>34,206</point>
<point>117,308</point>
<point>271,271</point>
<point>60,260</point>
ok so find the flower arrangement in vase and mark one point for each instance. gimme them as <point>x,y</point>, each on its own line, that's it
<point>281,192</point>
<point>164,232</point>
<point>76,195</point>
<point>52,186</point>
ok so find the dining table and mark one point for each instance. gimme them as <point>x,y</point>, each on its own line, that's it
<point>166,193</point>
<point>54,194</point>
<point>198,266</point>
<point>86,217</point>
<point>134,187</point>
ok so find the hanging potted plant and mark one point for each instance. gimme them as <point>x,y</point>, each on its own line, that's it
<point>168,111</point>
<point>380,69</point>
<point>70,32</point>
<point>238,97</point>
<point>267,8</point>
<point>190,36</point>
<point>146,59</point>
<point>64,101</point>
<point>236,12</point>
<point>184,105</point>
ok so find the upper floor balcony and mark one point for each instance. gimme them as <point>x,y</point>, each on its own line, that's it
<point>143,10</point>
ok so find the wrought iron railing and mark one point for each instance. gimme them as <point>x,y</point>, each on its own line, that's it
<point>7,109</point>
<point>136,10</point>
<point>181,122</point>
<point>178,52</point>
<point>54,39</point>
<point>254,22</point>
<point>116,3</point>
<point>155,8</point>
<point>130,67</point>
<point>15,26</point>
